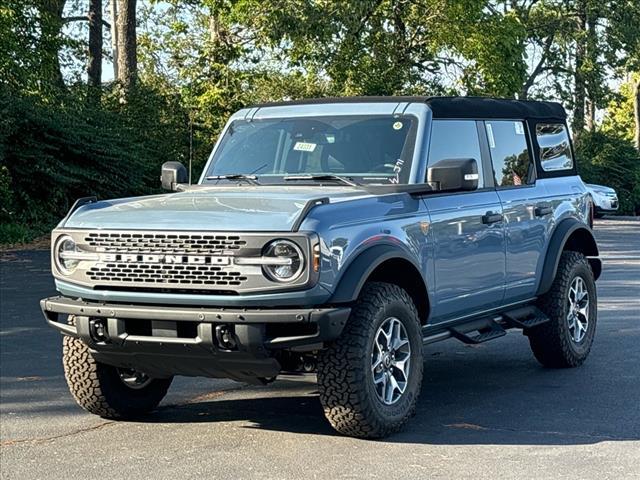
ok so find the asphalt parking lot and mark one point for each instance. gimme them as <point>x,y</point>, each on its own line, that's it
<point>488,411</point>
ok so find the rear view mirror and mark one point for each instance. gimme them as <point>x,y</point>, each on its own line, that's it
<point>454,174</point>
<point>173,173</point>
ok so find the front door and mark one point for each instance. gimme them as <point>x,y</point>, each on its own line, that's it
<point>466,228</point>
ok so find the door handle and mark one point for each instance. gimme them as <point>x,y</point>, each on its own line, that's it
<point>491,217</point>
<point>543,210</point>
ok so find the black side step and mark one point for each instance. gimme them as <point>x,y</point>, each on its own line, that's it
<point>525,317</point>
<point>478,331</point>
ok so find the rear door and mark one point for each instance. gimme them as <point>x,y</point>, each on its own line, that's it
<point>466,228</point>
<point>527,211</point>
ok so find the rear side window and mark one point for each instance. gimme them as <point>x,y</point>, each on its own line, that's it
<point>451,139</point>
<point>555,150</point>
<point>510,157</point>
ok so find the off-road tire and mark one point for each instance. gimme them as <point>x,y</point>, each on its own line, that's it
<point>98,389</point>
<point>345,382</point>
<point>551,342</point>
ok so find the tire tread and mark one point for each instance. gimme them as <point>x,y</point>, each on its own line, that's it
<point>97,388</point>
<point>549,342</point>
<point>342,388</point>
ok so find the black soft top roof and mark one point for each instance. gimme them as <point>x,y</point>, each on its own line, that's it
<point>456,107</point>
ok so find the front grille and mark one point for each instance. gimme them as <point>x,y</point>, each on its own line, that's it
<point>185,243</point>
<point>177,261</point>
<point>157,273</point>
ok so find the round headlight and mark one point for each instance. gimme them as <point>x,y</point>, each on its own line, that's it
<point>64,248</point>
<point>284,261</point>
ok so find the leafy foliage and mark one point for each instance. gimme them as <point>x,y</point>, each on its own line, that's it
<point>54,155</point>
<point>619,118</point>
<point>604,158</point>
<point>201,60</point>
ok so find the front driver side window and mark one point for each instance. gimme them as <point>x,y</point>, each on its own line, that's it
<point>455,139</point>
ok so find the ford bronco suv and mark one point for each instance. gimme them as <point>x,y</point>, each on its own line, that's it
<point>339,236</point>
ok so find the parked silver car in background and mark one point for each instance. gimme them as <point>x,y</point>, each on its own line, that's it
<point>605,199</point>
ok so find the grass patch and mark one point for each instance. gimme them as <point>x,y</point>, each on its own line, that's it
<point>13,233</point>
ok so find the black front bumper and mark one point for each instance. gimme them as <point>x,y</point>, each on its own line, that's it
<point>167,340</point>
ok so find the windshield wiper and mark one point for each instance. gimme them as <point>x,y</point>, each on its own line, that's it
<point>252,179</point>
<point>322,177</point>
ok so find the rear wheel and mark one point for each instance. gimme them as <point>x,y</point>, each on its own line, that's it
<point>108,391</point>
<point>370,378</point>
<point>571,304</point>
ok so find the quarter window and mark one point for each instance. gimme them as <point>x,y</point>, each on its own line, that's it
<point>555,150</point>
<point>451,139</point>
<point>512,164</point>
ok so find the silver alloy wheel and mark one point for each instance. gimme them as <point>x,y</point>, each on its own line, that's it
<point>391,361</point>
<point>133,379</point>
<point>578,315</point>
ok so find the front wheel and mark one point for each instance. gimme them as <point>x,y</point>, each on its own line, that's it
<point>369,379</point>
<point>571,304</point>
<point>108,391</point>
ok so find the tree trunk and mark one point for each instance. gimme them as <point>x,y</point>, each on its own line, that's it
<point>579,80</point>
<point>594,89</point>
<point>636,111</point>
<point>94,68</point>
<point>113,8</point>
<point>51,22</point>
<point>214,28</point>
<point>524,91</point>
<point>590,118</point>
<point>127,44</point>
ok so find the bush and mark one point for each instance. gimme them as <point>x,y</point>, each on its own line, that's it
<point>608,160</point>
<point>52,154</point>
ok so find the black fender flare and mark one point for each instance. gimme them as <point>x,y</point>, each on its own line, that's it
<point>561,234</point>
<point>359,270</point>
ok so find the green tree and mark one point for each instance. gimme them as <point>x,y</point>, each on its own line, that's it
<point>604,158</point>
<point>619,117</point>
<point>369,47</point>
<point>624,35</point>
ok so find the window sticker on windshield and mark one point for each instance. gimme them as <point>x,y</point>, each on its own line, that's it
<point>519,128</point>
<point>304,147</point>
<point>397,168</point>
<point>397,125</point>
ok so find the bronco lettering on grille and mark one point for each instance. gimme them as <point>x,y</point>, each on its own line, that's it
<point>169,259</point>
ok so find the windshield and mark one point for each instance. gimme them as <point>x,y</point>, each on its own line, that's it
<point>366,148</point>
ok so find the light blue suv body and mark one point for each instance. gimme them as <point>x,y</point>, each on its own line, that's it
<point>466,245</point>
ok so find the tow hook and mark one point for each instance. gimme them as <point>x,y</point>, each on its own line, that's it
<point>226,338</point>
<point>98,330</point>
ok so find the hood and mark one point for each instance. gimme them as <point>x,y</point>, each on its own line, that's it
<point>228,208</point>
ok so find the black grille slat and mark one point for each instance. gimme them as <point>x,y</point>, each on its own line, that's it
<point>164,273</point>
<point>163,243</point>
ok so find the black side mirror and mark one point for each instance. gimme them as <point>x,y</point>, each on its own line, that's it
<point>454,174</point>
<point>173,173</point>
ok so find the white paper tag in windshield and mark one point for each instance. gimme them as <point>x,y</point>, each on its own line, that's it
<point>519,128</point>
<point>492,141</point>
<point>304,147</point>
